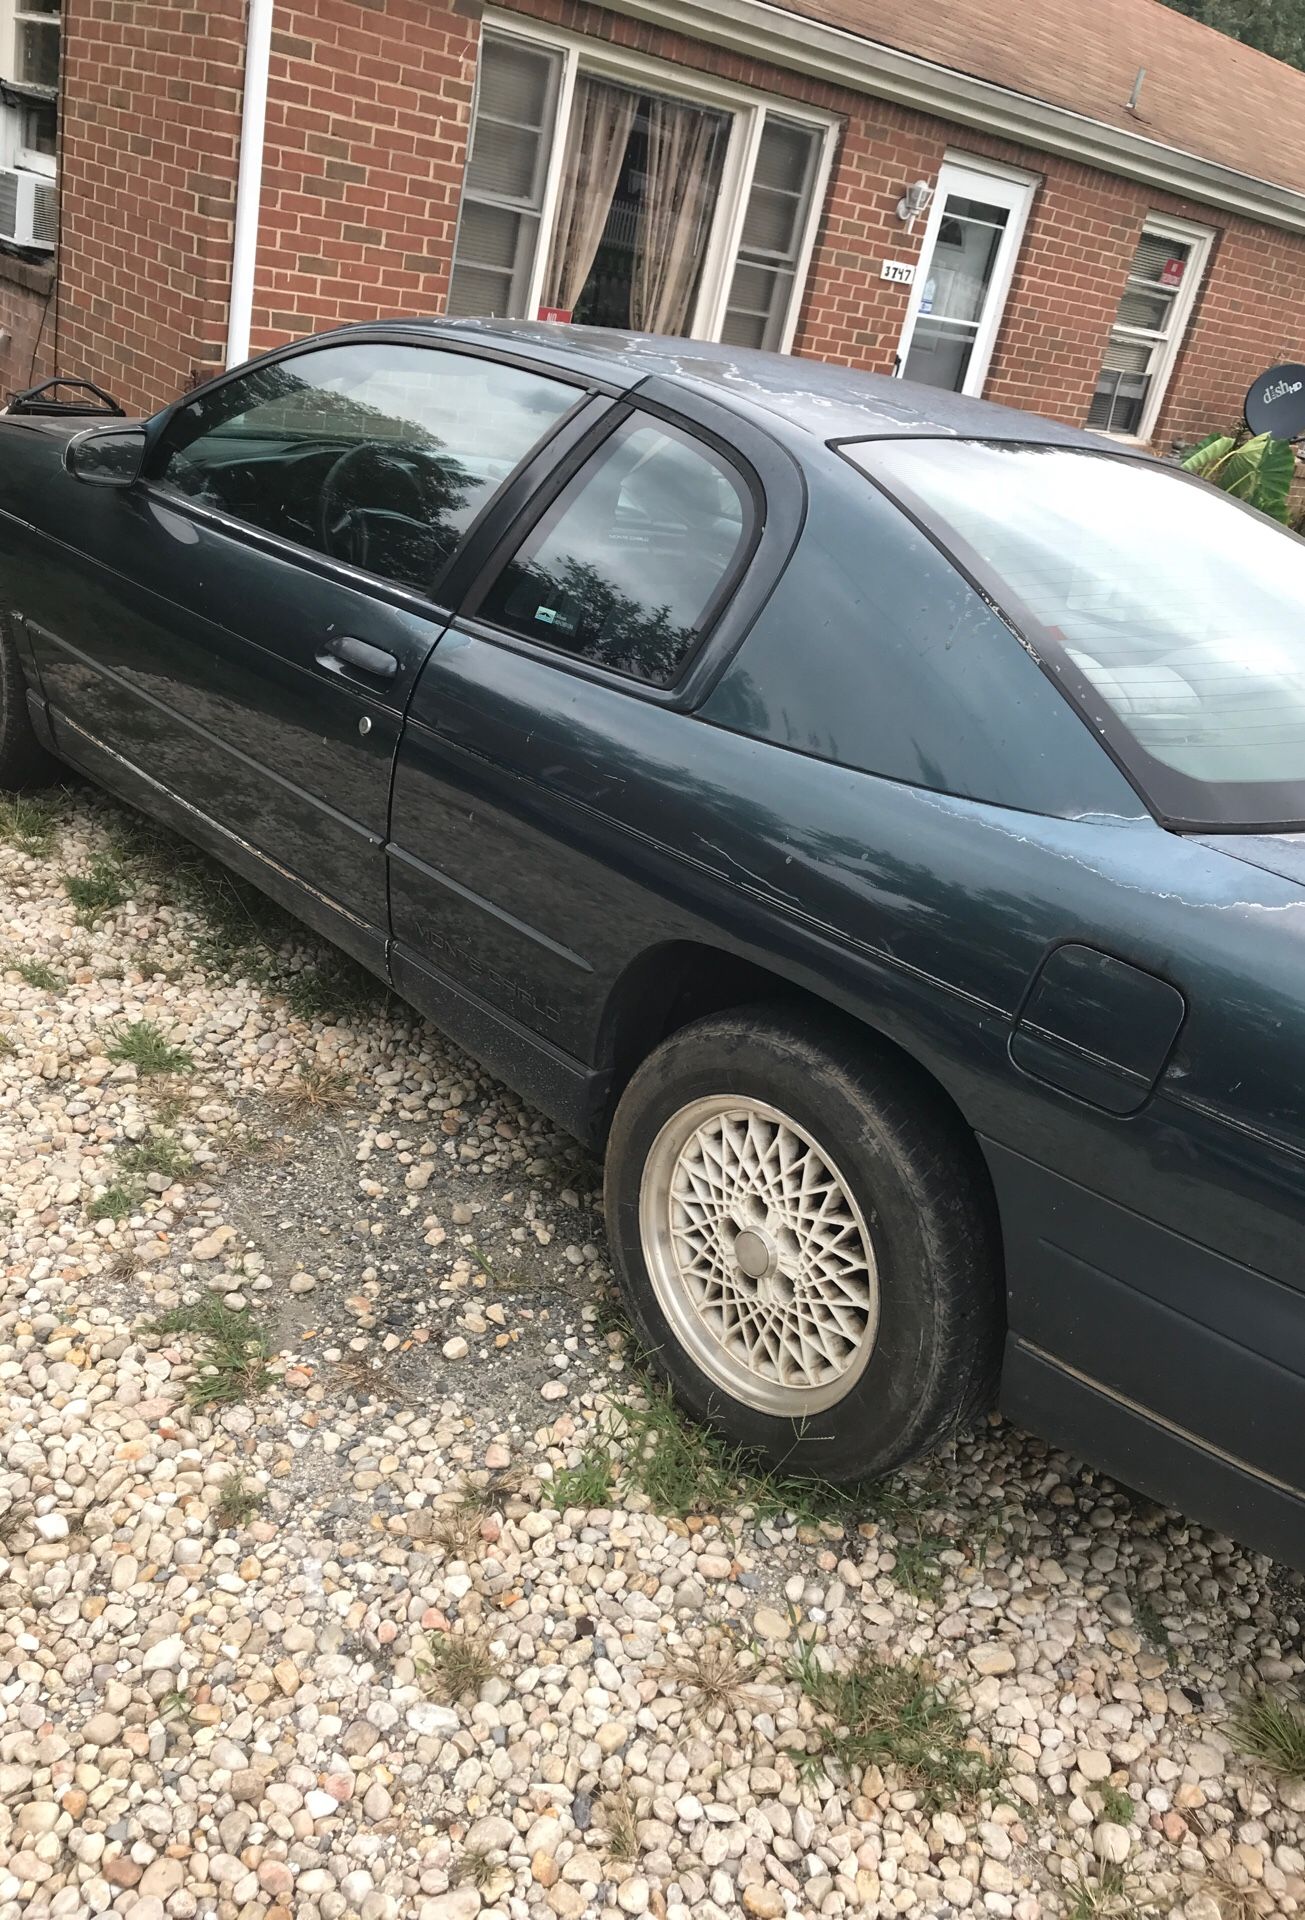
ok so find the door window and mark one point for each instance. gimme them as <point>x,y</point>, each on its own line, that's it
<point>964,274</point>
<point>377,454</point>
<point>630,562</point>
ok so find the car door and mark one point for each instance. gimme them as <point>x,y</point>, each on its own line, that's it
<point>526,831</point>
<point>244,629</point>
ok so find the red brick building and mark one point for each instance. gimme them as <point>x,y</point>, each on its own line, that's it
<point>1096,211</point>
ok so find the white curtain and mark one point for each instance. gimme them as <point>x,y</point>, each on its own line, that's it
<point>601,118</point>
<point>685,153</point>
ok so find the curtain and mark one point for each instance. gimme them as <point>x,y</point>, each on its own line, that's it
<point>684,160</point>
<point>601,118</point>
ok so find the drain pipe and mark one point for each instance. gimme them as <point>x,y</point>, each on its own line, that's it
<point>249,182</point>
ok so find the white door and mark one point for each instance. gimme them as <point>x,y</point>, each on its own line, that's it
<point>976,223</point>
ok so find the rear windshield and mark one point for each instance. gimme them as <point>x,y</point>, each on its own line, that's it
<point>1173,616</point>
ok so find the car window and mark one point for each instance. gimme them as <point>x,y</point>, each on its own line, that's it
<point>627,566</point>
<point>1172,615</point>
<point>375,453</point>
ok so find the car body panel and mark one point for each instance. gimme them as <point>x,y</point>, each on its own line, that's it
<point>539,853</point>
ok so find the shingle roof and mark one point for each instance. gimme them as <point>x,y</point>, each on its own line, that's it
<point>1203,93</point>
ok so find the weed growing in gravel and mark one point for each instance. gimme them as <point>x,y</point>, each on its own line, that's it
<point>38,974</point>
<point>915,1568</point>
<point>1106,1897</point>
<point>719,1673</point>
<point>233,1354</point>
<point>1116,1805</point>
<point>237,1502</point>
<point>147,1048</point>
<point>125,1264</point>
<point>458,1663</point>
<point>101,888</point>
<point>160,1152</point>
<point>176,1705</point>
<point>456,1529</point>
<point>14,1516</point>
<point>589,1483</point>
<point>7,1045</point>
<point>1149,1623</point>
<point>881,1714</point>
<point>619,1817</point>
<point>332,989</point>
<point>314,1089</point>
<point>117,1202</point>
<point>27,823</point>
<point>1272,1731</point>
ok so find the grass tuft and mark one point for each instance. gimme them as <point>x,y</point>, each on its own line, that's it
<point>892,1715</point>
<point>619,1817</point>
<point>101,888</point>
<point>456,1529</point>
<point>146,1047</point>
<point>237,1501</point>
<point>1104,1896</point>
<point>474,1867</point>
<point>37,973</point>
<point>1150,1625</point>
<point>233,1351</point>
<point>7,1045</point>
<point>1116,1805</point>
<point>27,823</point>
<point>161,1152</point>
<point>719,1673</point>
<point>1271,1731</point>
<point>315,1089</point>
<point>117,1202</point>
<point>589,1483</point>
<point>458,1663</point>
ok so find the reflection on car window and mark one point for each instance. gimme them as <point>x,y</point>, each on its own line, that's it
<point>1176,616</point>
<point>376,453</point>
<point>626,565</point>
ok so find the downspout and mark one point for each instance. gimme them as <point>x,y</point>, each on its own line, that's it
<point>249,181</point>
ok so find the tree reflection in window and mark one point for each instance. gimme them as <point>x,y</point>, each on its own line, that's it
<point>378,454</point>
<point>627,565</point>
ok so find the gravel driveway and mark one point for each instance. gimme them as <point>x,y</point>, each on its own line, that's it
<point>349,1566</point>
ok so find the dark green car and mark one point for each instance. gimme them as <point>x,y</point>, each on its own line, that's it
<point>876,818</point>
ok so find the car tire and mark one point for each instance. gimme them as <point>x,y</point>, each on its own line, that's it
<point>23,760</point>
<point>804,1237</point>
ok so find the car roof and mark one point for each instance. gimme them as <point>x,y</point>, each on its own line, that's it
<point>813,396</point>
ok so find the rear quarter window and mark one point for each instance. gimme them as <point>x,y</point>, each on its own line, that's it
<point>875,653</point>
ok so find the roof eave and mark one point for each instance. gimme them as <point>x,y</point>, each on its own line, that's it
<point>844,59</point>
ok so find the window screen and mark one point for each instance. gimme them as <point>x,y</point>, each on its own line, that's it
<point>502,197</point>
<point>1146,327</point>
<point>761,292</point>
<point>627,566</point>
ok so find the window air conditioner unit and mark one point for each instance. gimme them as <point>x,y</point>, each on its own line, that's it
<point>29,212</point>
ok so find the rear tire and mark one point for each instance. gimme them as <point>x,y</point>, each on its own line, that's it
<point>24,762</point>
<point>806,1242</point>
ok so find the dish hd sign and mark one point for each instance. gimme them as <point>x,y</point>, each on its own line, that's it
<point>1276,402</point>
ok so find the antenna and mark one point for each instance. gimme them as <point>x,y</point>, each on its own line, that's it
<point>1136,94</point>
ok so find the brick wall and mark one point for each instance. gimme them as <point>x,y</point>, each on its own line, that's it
<point>368,117</point>
<point>149,141</point>
<point>26,329</point>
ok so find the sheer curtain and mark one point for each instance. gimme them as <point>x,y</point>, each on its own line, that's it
<point>685,154</point>
<point>601,118</point>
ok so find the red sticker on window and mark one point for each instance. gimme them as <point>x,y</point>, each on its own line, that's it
<point>556,313</point>
<point>1171,273</point>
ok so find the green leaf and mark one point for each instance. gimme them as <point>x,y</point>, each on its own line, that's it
<point>1213,448</point>
<point>1277,471</point>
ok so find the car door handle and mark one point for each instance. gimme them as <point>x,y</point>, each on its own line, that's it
<point>344,651</point>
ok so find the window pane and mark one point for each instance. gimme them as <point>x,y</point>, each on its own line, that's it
<point>1159,260</point>
<point>498,227</point>
<point>38,53</point>
<point>1139,308</point>
<point>778,208</point>
<point>378,455</point>
<point>626,564</point>
<point>1183,612</point>
<point>1128,367</point>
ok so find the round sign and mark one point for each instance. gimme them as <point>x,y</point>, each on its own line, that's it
<point>1276,402</point>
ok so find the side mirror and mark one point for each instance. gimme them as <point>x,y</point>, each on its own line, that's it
<point>106,456</point>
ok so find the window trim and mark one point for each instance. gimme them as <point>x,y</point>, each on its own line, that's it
<point>1201,241</point>
<point>967,169</point>
<point>747,108</point>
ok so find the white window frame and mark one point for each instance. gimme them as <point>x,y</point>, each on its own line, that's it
<point>975,179</point>
<point>1200,240</point>
<point>747,110</point>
